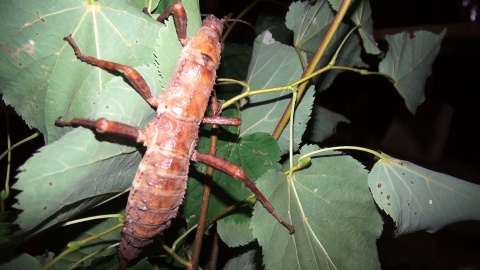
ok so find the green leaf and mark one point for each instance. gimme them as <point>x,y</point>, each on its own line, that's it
<point>362,17</point>
<point>306,21</point>
<point>81,169</point>
<point>301,117</point>
<point>32,80</point>
<point>5,225</point>
<point>310,24</point>
<point>324,123</point>
<point>8,240</point>
<point>255,153</point>
<point>234,234</point>
<point>95,249</point>
<point>140,4</point>
<point>336,4</point>
<point>333,213</point>
<point>409,62</point>
<point>420,199</point>
<point>273,64</point>
<point>23,261</point>
<point>244,261</point>
<point>111,262</point>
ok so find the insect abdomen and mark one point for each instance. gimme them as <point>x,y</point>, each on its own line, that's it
<point>160,183</point>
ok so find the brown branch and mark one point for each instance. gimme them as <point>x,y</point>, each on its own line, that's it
<point>202,219</point>
<point>311,67</point>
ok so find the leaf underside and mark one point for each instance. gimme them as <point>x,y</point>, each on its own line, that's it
<point>420,199</point>
<point>38,59</point>
<point>409,62</point>
<point>333,213</point>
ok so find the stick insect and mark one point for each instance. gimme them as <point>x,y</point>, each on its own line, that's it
<point>161,180</point>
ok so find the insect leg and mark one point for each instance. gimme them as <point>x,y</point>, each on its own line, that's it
<point>103,125</point>
<point>130,73</point>
<point>216,112</point>
<point>180,19</point>
<point>237,172</point>
<point>222,121</point>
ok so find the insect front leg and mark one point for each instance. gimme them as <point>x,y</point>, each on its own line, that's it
<point>137,81</point>
<point>179,17</point>
<point>237,172</point>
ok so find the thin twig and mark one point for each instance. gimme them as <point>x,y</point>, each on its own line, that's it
<point>311,67</point>
<point>202,219</point>
<point>214,255</point>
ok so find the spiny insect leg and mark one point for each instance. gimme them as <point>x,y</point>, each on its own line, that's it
<point>237,172</point>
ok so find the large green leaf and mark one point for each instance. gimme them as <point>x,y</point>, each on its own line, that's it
<point>81,169</point>
<point>36,60</point>
<point>274,64</point>
<point>255,153</point>
<point>420,199</point>
<point>409,62</point>
<point>244,261</point>
<point>332,210</point>
<point>23,261</point>
<point>234,234</point>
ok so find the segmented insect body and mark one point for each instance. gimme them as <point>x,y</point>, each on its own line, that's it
<point>161,180</point>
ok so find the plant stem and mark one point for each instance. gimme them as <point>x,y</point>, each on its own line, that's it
<point>174,255</point>
<point>292,111</point>
<point>33,136</point>
<point>197,245</point>
<point>303,160</point>
<point>230,28</point>
<point>214,254</point>
<point>311,67</point>
<point>76,245</point>
<point>120,216</point>
<point>6,192</point>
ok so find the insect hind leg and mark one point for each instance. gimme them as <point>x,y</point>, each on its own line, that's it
<point>237,172</point>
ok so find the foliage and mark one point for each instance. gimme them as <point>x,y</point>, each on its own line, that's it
<point>328,196</point>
